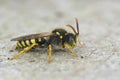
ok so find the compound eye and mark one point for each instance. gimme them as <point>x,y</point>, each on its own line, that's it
<point>72,41</point>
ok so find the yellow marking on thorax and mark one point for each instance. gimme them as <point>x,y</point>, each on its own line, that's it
<point>57,33</point>
<point>27,42</point>
<point>18,44</point>
<point>23,43</point>
<point>33,41</point>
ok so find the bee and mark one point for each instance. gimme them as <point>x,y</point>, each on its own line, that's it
<point>58,37</point>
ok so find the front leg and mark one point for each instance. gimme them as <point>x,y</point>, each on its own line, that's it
<point>23,51</point>
<point>70,49</point>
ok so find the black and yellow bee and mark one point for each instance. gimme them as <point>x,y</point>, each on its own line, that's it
<point>58,37</point>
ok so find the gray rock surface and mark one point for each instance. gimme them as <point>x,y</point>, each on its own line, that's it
<point>99,29</point>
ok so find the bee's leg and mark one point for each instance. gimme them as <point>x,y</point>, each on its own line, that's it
<point>49,53</point>
<point>81,43</point>
<point>70,49</point>
<point>23,51</point>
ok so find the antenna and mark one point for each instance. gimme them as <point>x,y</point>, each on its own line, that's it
<point>77,25</point>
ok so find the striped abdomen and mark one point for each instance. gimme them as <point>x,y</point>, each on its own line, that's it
<point>25,43</point>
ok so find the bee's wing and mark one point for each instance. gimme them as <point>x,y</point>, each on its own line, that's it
<point>33,36</point>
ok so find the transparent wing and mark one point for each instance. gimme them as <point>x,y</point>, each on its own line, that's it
<point>32,36</point>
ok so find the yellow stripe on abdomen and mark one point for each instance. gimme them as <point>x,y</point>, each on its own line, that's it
<point>32,41</point>
<point>28,42</point>
<point>23,43</point>
<point>19,45</point>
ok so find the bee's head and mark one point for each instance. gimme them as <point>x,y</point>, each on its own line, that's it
<point>71,39</point>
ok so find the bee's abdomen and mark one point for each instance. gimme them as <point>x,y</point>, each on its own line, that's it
<point>25,43</point>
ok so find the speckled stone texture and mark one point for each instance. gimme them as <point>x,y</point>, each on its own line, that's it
<point>99,29</point>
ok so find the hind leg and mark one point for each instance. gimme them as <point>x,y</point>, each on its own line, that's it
<point>23,51</point>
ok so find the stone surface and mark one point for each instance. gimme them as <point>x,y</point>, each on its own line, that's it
<point>99,29</point>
